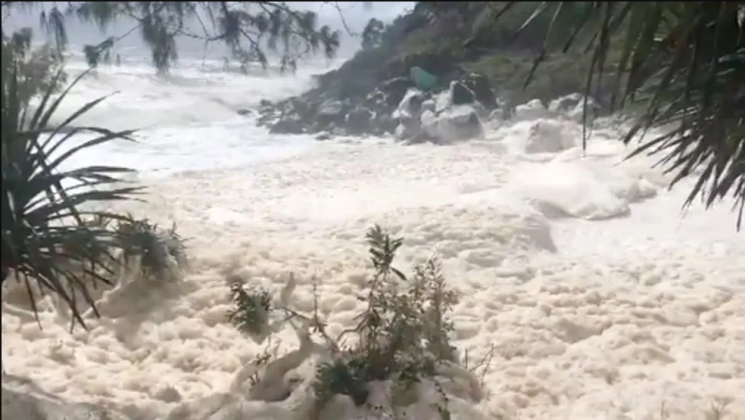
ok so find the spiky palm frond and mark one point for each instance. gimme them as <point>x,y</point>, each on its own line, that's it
<point>45,238</point>
<point>679,62</point>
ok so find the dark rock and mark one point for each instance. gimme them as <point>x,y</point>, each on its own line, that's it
<point>305,109</point>
<point>461,95</point>
<point>288,125</point>
<point>331,108</point>
<point>342,107</point>
<point>266,120</point>
<point>394,106</point>
<point>359,121</point>
<point>395,89</point>
<point>419,138</point>
<point>428,119</point>
<point>482,90</point>
<point>331,113</point>
<point>376,79</point>
<point>383,124</point>
<point>243,112</point>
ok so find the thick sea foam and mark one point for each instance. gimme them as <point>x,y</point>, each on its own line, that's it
<point>602,300</point>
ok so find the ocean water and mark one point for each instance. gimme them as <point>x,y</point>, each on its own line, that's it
<point>601,299</point>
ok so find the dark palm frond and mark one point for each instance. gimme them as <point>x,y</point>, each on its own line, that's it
<point>45,204</point>
<point>680,63</point>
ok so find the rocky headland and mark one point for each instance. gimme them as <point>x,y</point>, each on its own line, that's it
<point>436,74</point>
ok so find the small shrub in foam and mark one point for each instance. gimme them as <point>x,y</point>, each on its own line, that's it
<point>396,362</point>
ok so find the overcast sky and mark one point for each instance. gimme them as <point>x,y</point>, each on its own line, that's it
<point>354,14</point>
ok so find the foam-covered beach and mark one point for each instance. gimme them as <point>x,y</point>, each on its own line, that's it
<point>599,298</point>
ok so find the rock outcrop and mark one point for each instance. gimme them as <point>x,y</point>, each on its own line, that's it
<point>434,75</point>
<point>395,106</point>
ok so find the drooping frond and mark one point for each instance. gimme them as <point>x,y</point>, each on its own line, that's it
<point>246,28</point>
<point>680,63</point>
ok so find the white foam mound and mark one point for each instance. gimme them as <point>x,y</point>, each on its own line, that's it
<point>543,136</point>
<point>530,111</point>
<point>584,189</point>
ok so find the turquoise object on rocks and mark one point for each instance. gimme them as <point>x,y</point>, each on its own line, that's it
<point>422,79</point>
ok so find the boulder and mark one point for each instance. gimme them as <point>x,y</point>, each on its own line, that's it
<point>428,121</point>
<point>443,101</point>
<point>383,124</point>
<point>359,121</point>
<point>408,115</point>
<point>481,88</point>
<point>392,91</point>
<point>459,122</point>
<point>572,106</point>
<point>460,94</point>
<point>550,136</point>
<point>441,119</point>
<point>532,110</point>
<point>291,124</point>
<point>401,133</point>
<point>565,103</point>
<point>330,114</point>
<point>393,106</point>
<point>410,106</point>
<point>429,105</point>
